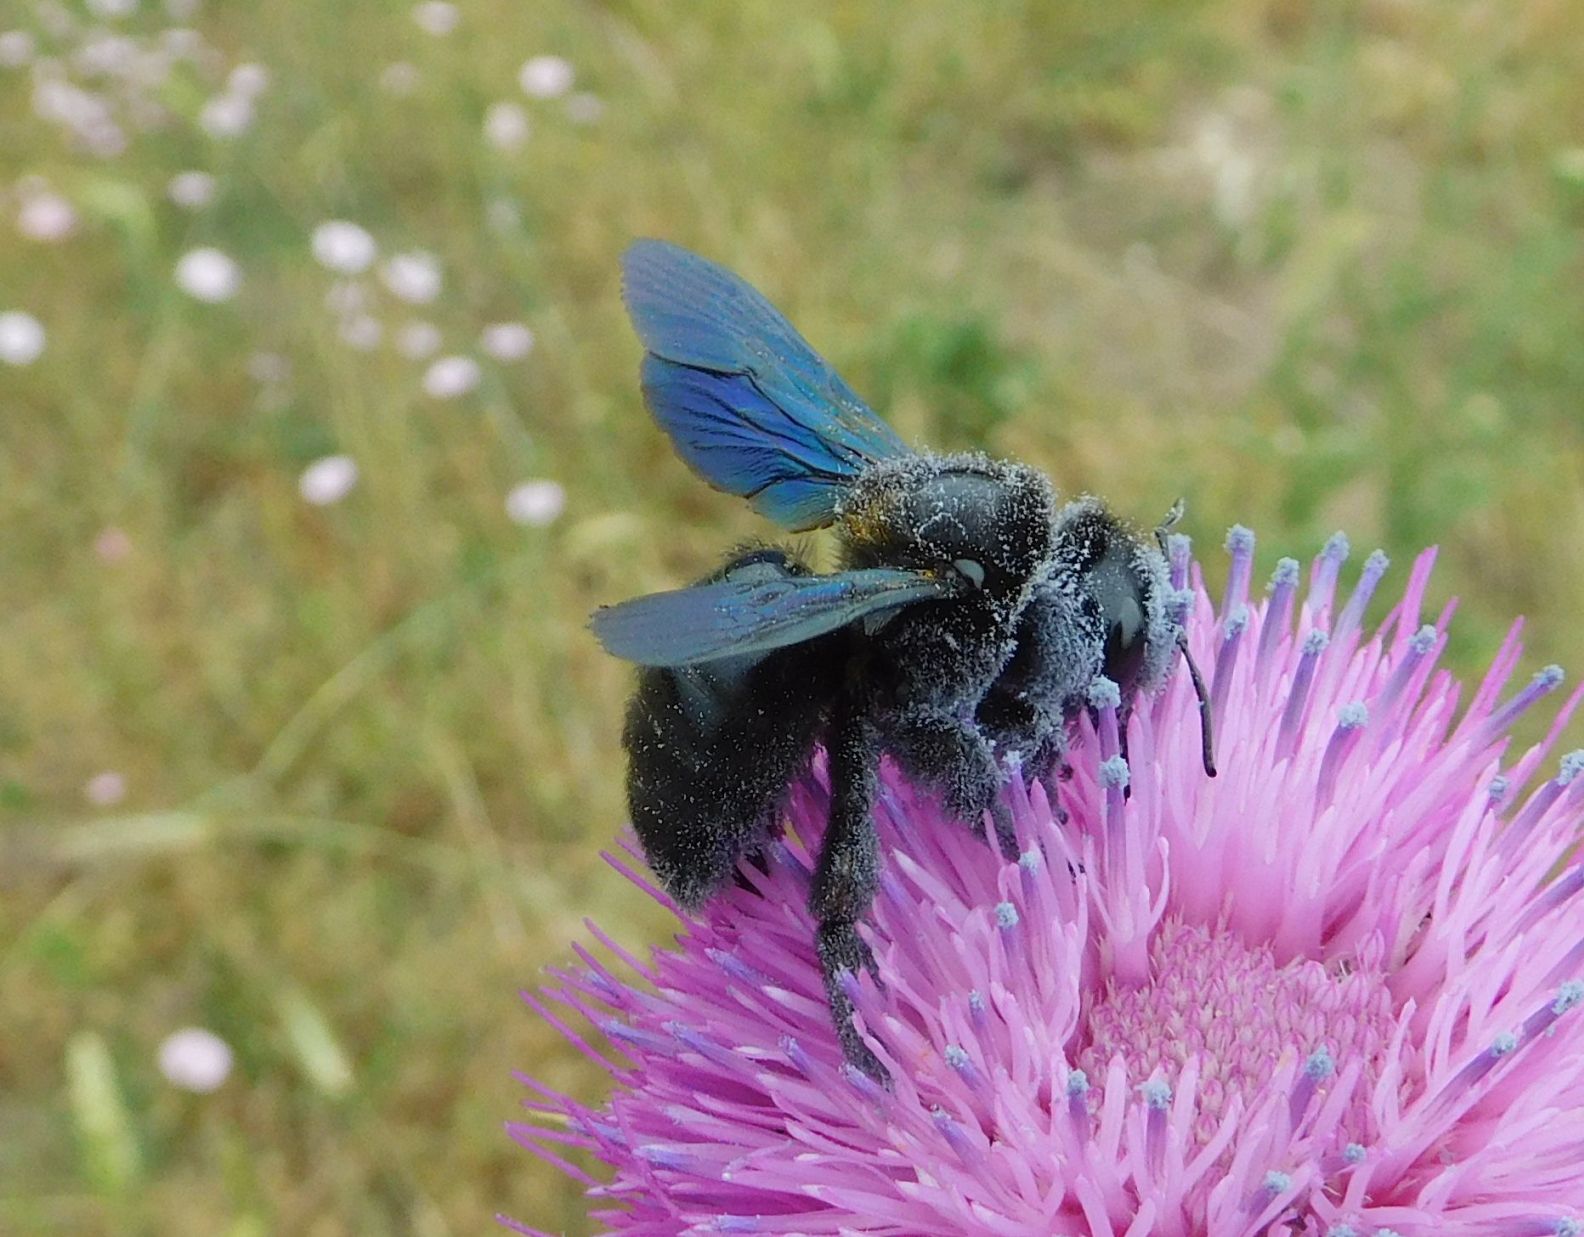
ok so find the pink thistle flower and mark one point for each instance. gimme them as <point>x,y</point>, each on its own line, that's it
<point>1337,991</point>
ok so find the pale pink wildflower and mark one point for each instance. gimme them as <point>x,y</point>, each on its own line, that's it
<point>195,1059</point>
<point>507,341</point>
<point>585,108</point>
<point>419,339</point>
<point>361,332</point>
<point>328,480</point>
<point>533,504</point>
<point>46,216</point>
<point>191,190</point>
<point>545,77</point>
<point>450,377</point>
<point>413,277</point>
<point>21,338</point>
<point>400,79</point>
<point>105,789</point>
<point>227,115</point>
<point>112,545</point>
<point>506,125</point>
<point>436,17</point>
<point>343,247</point>
<point>16,48</point>
<point>207,274</point>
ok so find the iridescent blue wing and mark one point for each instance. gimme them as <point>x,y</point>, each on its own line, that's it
<point>728,618</point>
<point>748,404</point>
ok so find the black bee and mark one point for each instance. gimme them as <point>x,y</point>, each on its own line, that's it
<point>962,635</point>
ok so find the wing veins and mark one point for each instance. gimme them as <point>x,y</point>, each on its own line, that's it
<point>745,398</point>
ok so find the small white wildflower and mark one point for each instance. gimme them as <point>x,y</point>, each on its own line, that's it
<point>451,376</point>
<point>191,190</point>
<point>362,332</point>
<point>105,789</point>
<point>507,341</point>
<point>505,125</point>
<point>436,17</point>
<point>328,480</point>
<point>226,116</point>
<point>346,297</point>
<point>112,8</point>
<point>545,77</point>
<point>418,340</point>
<point>55,18</point>
<point>105,140</point>
<point>1232,169</point>
<point>46,216</point>
<point>106,55</point>
<point>413,276</point>
<point>344,247</point>
<point>584,108</point>
<point>269,368</point>
<point>183,43</point>
<point>49,81</point>
<point>21,338</point>
<point>58,100</point>
<point>206,274</point>
<point>181,10</point>
<point>399,79</point>
<point>535,503</point>
<point>503,215</point>
<point>16,49</point>
<point>248,80</point>
<point>195,1060</point>
<point>145,114</point>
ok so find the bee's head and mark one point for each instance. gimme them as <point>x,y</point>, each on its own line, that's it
<point>987,522</point>
<point>1122,594</point>
<point>1124,589</point>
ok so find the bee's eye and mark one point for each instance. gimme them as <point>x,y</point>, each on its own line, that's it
<point>1124,646</point>
<point>1125,625</point>
<point>971,571</point>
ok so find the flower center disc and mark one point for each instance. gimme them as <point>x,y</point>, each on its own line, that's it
<point>1214,997</point>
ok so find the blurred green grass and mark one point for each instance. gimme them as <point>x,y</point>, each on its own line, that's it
<point>1309,266</point>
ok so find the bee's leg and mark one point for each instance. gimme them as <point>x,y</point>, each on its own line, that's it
<point>1005,830</point>
<point>1122,731</point>
<point>847,873</point>
<point>755,859</point>
<point>951,754</point>
<point>1022,727</point>
<point>1046,767</point>
<point>1123,715</point>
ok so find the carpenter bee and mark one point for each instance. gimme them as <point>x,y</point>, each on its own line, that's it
<point>961,636</point>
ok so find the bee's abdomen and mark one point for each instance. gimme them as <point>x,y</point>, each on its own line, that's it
<point>713,748</point>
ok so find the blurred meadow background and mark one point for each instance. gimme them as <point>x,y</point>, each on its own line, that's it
<point>320,436</point>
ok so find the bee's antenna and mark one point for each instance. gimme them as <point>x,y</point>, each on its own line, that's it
<point>1169,523</point>
<point>1204,705</point>
<point>1205,727</point>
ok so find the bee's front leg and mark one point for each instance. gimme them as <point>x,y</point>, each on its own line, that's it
<point>953,755</point>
